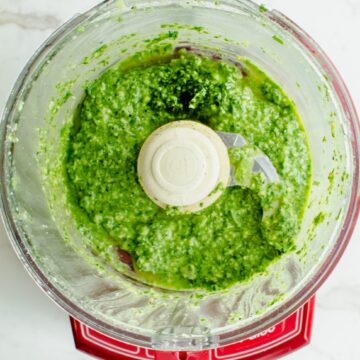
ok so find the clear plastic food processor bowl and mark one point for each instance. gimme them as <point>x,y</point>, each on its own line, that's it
<point>114,303</point>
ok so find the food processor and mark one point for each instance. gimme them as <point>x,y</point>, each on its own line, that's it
<point>114,314</point>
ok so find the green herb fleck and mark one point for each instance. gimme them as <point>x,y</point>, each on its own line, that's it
<point>319,218</point>
<point>262,8</point>
<point>278,39</point>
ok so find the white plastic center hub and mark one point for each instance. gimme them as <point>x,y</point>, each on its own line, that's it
<point>182,163</point>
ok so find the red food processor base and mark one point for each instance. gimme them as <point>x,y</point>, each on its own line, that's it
<point>279,340</point>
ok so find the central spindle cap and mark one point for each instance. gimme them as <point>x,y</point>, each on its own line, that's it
<point>183,164</point>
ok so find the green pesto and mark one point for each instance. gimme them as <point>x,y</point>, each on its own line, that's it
<point>278,39</point>
<point>95,55</point>
<point>263,8</point>
<point>228,242</point>
<point>319,218</point>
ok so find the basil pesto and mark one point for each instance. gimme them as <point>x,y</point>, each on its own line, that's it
<point>249,227</point>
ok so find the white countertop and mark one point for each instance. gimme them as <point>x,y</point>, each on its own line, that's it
<point>32,327</point>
